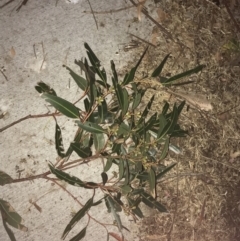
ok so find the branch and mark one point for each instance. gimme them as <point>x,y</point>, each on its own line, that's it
<point>43,175</point>
<point>28,117</point>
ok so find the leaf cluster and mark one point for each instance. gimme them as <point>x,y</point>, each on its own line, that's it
<point>111,126</point>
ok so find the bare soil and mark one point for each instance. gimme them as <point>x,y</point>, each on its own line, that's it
<point>202,193</point>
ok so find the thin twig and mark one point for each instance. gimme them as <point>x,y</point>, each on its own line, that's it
<point>24,179</point>
<point>231,15</point>
<point>5,4</point>
<point>154,21</point>
<point>28,117</point>
<point>142,40</point>
<point>24,2</point>
<point>110,11</point>
<point>4,75</point>
<point>93,13</point>
<point>225,164</point>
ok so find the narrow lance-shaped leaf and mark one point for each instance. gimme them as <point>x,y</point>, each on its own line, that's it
<point>94,59</point>
<point>152,181</point>
<point>115,76</point>
<point>108,165</point>
<point>158,70</point>
<point>80,235</point>
<point>80,81</point>
<point>125,102</point>
<point>82,151</point>
<point>170,125</point>
<point>121,169</point>
<point>152,203</point>
<point>167,169</point>
<point>162,124</point>
<point>42,87</point>
<point>113,211</point>
<point>70,149</point>
<point>91,127</point>
<point>10,216</point>
<point>126,189</point>
<point>165,149</point>
<point>136,100</point>
<point>184,74</point>
<point>165,108</point>
<point>5,178</point>
<point>72,180</point>
<point>63,106</point>
<point>147,126</point>
<point>146,110</point>
<point>133,204</point>
<point>102,111</point>
<point>77,217</point>
<point>59,141</point>
<point>99,141</point>
<point>104,177</point>
<point>129,77</point>
<point>8,230</point>
<point>96,64</point>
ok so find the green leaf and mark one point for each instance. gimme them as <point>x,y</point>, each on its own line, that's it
<point>80,235</point>
<point>121,169</point>
<point>112,208</point>
<point>165,108</point>
<point>9,231</point>
<point>146,110</point>
<point>147,126</point>
<point>158,70</point>
<point>119,94</point>
<point>167,169</point>
<point>72,180</point>
<point>102,111</point>
<point>137,191</point>
<point>104,177</point>
<point>126,189</point>
<point>96,64</point>
<point>152,181</point>
<point>162,124</point>
<point>93,58</point>
<point>41,87</point>
<point>83,152</point>
<point>99,142</point>
<point>65,107</point>
<point>133,204</point>
<point>91,127</point>
<point>124,129</point>
<point>129,77</point>
<point>5,178</point>
<point>125,102</point>
<point>127,173</point>
<point>180,107</point>
<point>171,124</point>
<point>80,81</point>
<point>136,100</point>
<point>165,149</point>
<point>115,76</point>
<point>184,74</point>
<point>77,217</point>
<point>76,139</point>
<point>108,165</point>
<point>10,216</point>
<point>152,203</point>
<point>59,141</point>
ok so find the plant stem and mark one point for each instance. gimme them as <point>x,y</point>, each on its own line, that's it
<point>28,117</point>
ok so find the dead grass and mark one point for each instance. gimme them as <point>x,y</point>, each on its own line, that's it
<point>202,193</point>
